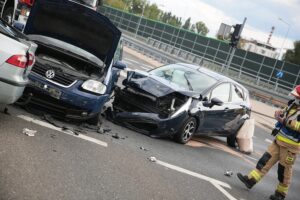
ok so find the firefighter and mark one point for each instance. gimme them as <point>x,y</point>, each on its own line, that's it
<point>283,150</point>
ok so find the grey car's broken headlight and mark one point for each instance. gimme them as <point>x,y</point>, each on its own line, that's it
<point>94,86</point>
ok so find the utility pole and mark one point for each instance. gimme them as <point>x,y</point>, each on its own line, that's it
<point>236,35</point>
<point>140,19</point>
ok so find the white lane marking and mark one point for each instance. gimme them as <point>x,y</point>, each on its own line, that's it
<point>251,157</point>
<point>146,68</point>
<point>268,141</point>
<point>218,184</point>
<point>130,60</point>
<point>141,65</point>
<point>185,171</point>
<point>50,126</point>
<point>229,196</point>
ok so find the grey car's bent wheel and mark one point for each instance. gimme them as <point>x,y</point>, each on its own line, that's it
<point>187,131</point>
<point>8,14</point>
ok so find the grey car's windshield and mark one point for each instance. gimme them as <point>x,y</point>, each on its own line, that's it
<point>186,78</point>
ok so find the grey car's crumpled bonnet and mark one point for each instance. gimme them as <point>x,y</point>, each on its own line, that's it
<point>75,24</point>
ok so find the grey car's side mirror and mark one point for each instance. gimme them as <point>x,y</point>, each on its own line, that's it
<point>216,102</point>
<point>120,65</point>
<point>213,102</point>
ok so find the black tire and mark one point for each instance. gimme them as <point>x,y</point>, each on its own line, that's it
<point>231,141</point>
<point>8,14</point>
<point>187,131</point>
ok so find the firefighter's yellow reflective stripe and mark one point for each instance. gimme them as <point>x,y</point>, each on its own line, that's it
<point>282,189</point>
<point>297,126</point>
<point>254,174</point>
<point>289,159</point>
<point>286,140</point>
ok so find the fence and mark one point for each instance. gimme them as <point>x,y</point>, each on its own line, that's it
<point>195,47</point>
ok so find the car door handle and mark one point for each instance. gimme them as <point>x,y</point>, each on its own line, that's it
<point>226,109</point>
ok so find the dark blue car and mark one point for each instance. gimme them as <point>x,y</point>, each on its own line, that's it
<point>181,100</point>
<point>77,60</point>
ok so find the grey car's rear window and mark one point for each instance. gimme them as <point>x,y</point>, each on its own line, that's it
<point>184,77</point>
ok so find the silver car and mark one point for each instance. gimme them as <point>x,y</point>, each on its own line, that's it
<point>17,56</point>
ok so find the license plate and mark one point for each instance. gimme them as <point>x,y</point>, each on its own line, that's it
<point>53,92</point>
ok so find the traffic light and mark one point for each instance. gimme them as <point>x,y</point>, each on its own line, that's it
<point>235,36</point>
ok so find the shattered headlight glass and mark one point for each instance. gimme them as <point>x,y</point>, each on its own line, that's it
<point>94,86</point>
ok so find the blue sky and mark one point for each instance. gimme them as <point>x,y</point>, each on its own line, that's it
<point>261,16</point>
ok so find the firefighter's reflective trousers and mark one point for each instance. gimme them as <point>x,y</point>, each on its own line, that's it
<point>274,154</point>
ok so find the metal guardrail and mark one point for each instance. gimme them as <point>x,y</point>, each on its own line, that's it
<point>254,84</point>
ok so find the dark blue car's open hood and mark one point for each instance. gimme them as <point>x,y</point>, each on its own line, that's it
<point>75,24</point>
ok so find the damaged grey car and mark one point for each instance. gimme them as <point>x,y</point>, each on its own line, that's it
<point>181,100</point>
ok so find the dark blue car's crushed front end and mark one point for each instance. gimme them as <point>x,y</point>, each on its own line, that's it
<point>75,71</point>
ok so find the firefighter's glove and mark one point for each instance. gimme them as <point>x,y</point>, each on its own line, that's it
<point>279,116</point>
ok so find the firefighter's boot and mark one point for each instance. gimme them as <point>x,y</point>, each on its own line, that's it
<point>277,196</point>
<point>248,182</point>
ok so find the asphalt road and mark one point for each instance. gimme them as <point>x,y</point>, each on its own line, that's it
<point>60,165</point>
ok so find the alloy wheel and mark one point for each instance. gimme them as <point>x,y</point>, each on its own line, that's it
<point>189,130</point>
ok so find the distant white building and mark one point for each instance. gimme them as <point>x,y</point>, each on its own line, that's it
<point>260,48</point>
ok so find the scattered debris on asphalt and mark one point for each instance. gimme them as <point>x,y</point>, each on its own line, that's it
<point>53,136</point>
<point>29,132</point>
<point>228,173</point>
<point>152,159</point>
<point>116,136</point>
<point>100,130</point>
<point>75,131</point>
<point>106,130</point>
<point>144,149</point>
<point>6,111</point>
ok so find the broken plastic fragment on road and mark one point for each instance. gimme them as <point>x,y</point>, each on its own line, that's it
<point>116,136</point>
<point>228,173</point>
<point>29,132</point>
<point>152,159</point>
<point>143,148</point>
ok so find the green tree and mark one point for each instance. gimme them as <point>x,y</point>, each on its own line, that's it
<point>120,4</point>
<point>293,55</point>
<point>201,28</point>
<point>187,24</point>
<point>193,28</point>
<point>128,4</point>
<point>152,12</point>
<point>175,21</point>
<point>137,6</point>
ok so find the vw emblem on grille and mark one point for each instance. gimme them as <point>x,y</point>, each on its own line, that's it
<point>50,74</point>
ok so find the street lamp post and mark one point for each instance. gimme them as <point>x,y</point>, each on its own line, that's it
<point>285,37</point>
<point>139,23</point>
<point>280,51</point>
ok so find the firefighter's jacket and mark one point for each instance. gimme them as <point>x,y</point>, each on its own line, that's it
<point>289,134</point>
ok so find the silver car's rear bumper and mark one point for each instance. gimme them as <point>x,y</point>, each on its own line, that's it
<point>10,91</point>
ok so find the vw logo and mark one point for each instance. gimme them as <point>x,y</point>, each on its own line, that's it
<point>50,74</point>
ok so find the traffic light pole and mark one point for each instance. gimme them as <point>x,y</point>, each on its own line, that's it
<point>233,49</point>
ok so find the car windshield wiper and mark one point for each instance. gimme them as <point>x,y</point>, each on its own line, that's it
<point>188,82</point>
